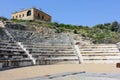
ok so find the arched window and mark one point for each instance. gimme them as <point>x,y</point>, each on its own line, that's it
<point>29,13</point>
<point>38,15</point>
<point>19,16</point>
<point>23,15</point>
<point>42,17</point>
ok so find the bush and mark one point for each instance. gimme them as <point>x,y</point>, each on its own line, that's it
<point>18,21</point>
<point>75,32</point>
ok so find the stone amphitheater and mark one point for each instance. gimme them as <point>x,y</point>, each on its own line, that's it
<point>19,48</point>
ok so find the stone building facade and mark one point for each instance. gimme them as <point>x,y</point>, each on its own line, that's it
<point>1,24</point>
<point>31,14</point>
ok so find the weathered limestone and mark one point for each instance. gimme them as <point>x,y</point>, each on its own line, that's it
<point>11,55</point>
<point>78,53</point>
<point>27,52</point>
<point>52,53</point>
<point>100,53</point>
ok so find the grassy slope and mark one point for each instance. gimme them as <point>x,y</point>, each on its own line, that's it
<point>100,33</point>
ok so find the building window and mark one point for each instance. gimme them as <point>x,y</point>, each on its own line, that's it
<point>23,15</point>
<point>16,16</point>
<point>38,15</point>
<point>19,16</point>
<point>13,17</point>
<point>29,13</point>
<point>42,17</point>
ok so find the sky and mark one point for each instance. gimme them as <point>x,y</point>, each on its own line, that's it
<point>75,12</point>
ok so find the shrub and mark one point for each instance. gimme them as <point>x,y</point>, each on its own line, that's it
<point>75,32</point>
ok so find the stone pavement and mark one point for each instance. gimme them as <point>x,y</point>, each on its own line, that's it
<point>78,76</point>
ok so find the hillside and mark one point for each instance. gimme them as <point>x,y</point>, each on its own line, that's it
<point>101,33</point>
<point>40,31</point>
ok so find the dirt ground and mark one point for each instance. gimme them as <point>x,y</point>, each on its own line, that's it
<point>34,71</point>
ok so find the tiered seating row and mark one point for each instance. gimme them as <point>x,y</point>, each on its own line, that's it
<point>11,55</point>
<point>52,53</point>
<point>100,53</point>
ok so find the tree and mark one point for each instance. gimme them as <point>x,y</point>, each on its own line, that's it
<point>107,24</point>
<point>115,26</point>
<point>101,26</point>
<point>75,31</point>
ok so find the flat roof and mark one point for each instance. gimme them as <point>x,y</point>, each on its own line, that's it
<point>30,9</point>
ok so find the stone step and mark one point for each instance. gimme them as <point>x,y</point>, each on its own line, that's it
<point>91,49</point>
<point>51,56</point>
<point>99,50</point>
<point>10,47</point>
<point>101,57</point>
<point>6,41</point>
<point>55,50</point>
<point>13,54</point>
<point>68,61</point>
<point>100,46</point>
<point>59,58</point>
<point>8,44</point>
<point>102,54</point>
<point>89,53</point>
<point>14,50</point>
<point>51,51</point>
<point>54,54</point>
<point>47,46</point>
<point>101,61</point>
<point>83,52</point>
<point>50,48</point>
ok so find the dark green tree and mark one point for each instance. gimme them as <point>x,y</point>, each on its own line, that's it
<point>115,26</point>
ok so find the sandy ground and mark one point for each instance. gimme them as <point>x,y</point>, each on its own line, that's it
<point>34,71</point>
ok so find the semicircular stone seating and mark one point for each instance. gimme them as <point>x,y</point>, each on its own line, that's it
<point>51,48</point>
<point>100,53</point>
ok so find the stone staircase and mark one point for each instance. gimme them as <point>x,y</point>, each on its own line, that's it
<point>11,55</point>
<point>100,53</point>
<point>52,53</point>
<point>18,43</point>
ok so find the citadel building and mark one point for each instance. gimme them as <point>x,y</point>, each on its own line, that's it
<point>31,14</point>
